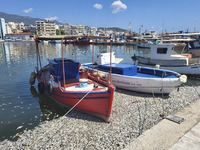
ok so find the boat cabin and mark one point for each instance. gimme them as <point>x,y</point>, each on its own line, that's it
<point>168,52</point>
<point>71,69</point>
<point>164,51</point>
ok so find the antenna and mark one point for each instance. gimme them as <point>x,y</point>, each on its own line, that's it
<point>130,27</point>
<point>163,26</point>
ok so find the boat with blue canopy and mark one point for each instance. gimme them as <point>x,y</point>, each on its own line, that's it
<point>137,78</point>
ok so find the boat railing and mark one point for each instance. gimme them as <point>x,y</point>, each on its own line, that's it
<point>194,61</point>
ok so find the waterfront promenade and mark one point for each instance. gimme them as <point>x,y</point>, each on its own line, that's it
<point>134,126</point>
<point>169,135</point>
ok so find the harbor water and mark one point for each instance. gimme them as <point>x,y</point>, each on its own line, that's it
<point>21,106</point>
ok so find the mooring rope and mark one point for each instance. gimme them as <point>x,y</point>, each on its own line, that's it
<point>159,112</point>
<point>163,74</point>
<point>61,118</point>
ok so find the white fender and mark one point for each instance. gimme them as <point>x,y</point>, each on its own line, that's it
<point>183,78</point>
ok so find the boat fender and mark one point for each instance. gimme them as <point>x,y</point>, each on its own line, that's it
<point>157,66</point>
<point>136,62</point>
<point>41,87</point>
<point>32,78</point>
<point>183,78</point>
<point>49,88</point>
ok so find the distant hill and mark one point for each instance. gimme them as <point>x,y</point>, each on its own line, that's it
<point>113,29</point>
<point>25,19</point>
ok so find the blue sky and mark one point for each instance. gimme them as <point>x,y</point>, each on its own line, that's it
<point>157,15</point>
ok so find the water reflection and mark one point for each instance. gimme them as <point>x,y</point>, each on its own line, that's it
<point>20,106</point>
<point>50,109</point>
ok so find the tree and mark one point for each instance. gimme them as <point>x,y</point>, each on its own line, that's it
<point>62,32</point>
<point>57,32</point>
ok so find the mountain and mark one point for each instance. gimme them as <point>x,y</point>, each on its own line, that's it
<point>25,19</point>
<point>113,29</point>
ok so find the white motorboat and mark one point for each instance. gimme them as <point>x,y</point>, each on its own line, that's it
<point>170,57</point>
<point>135,78</point>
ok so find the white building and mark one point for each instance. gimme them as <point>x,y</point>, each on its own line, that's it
<point>19,36</point>
<point>46,27</point>
<point>12,27</point>
<point>8,29</point>
<point>2,28</point>
<point>79,29</point>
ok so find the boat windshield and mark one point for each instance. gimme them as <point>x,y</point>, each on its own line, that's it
<point>144,52</point>
<point>178,49</point>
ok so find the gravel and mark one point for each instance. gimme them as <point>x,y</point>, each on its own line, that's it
<point>132,114</point>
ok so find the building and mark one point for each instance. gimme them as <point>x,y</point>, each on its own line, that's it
<point>46,27</point>
<point>8,29</point>
<point>12,27</point>
<point>30,29</point>
<point>19,36</point>
<point>78,29</point>
<point>2,28</point>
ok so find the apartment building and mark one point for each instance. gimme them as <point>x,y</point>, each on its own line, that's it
<point>12,27</point>
<point>46,27</point>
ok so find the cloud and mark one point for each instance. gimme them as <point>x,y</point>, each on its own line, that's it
<point>28,10</point>
<point>98,6</point>
<point>118,6</point>
<point>52,18</point>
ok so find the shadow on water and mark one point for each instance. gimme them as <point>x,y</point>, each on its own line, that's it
<point>52,110</point>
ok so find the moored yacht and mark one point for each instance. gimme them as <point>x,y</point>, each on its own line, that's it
<point>170,57</point>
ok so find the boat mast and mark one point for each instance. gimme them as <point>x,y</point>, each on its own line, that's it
<point>63,62</point>
<point>38,55</point>
<point>92,52</point>
<point>74,49</point>
<point>110,81</point>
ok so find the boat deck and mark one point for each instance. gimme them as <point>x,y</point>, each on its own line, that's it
<point>89,87</point>
<point>73,85</point>
<point>139,72</point>
<point>152,76</point>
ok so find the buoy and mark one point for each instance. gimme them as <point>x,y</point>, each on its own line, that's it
<point>49,88</point>
<point>183,78</point>
<point>157,66</point>
<point>41,87</point>
<point>101,74</point>
<point>32,78</point>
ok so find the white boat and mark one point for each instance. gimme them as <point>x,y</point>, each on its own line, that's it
<point>135,78</point>
<point>170,57</point>
<point>192,45</point>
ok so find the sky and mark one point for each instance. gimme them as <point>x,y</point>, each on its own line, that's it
<point>150,15</point>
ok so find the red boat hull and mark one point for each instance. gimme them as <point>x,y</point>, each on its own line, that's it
<point>85,42</point>
<point>96,102</point>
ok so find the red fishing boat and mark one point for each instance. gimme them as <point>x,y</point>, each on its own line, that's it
<point>82,41</point>
<point>64,81</point>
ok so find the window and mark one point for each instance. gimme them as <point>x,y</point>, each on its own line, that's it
<point>161,50</point>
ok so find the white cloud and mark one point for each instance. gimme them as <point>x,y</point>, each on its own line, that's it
<point>28,10</point>
<point>52,18</point>
<point>98,6</point>
<point>118,6</point>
